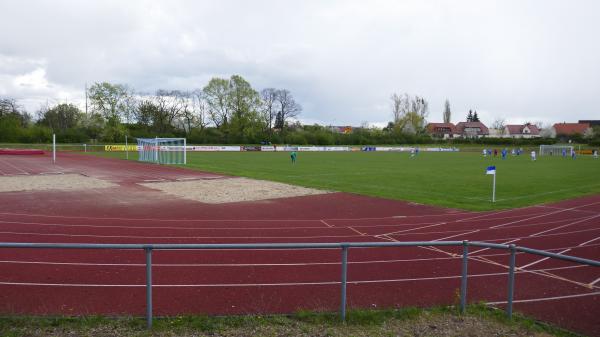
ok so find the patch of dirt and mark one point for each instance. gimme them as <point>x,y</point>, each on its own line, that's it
<point>218,191</point>
<point>63,182</point>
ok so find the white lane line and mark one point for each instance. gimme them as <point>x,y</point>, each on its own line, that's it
<point>413,229</point>
<point>575,210</point>
<point>546,298</point>
<point>592,240</point>
<point>566,225</point>
<point>15,167</point>
<point>257,284</point>
<point>542,260</point>
<point>85,264</point>
<point>182,237</point>
<point>596,281</point>
<point>359,232</point>
<point>484,249</point>
<point>325,223</point>
<point>543,215</point>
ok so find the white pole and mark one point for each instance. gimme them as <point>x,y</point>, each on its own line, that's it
<point>494,188</point>
<point>156,150</point>
<point>184,151</point>
<point>126,148</point>
<point>84,147</point>
<point>53,148</point>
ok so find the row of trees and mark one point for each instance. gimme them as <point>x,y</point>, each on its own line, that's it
<point>225,110</point>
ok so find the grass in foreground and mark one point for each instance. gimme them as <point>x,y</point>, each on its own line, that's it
<point>441,321</point>
<point>445,179</point>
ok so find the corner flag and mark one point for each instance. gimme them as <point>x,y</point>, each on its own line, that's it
<point>492,170</point>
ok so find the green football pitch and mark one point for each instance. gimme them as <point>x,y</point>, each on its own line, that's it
<point>445,179</point>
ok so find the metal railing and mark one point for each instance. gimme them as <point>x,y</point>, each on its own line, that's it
<point>148,248</point>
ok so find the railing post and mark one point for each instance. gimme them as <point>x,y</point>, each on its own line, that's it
<point>511,281</point>
<point>148,251</point>
<point>344,281</point>
<point>463,281</point>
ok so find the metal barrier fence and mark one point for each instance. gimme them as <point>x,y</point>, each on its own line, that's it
<point>148,248</point>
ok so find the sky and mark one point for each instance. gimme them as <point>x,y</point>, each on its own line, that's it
<point>523,60</point>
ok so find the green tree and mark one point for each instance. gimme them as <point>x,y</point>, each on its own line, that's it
<point>61,117</point>
<point>216,93</point>
<point>109,100</point>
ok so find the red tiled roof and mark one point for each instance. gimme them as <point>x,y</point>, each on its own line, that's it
<point>570,128</point>
<point>518,129</point>
<point>441,127</point>
<point>483,130</point>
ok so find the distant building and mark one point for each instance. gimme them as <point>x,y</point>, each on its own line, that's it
<point>472,130</point>
<point>341,129</point>
<point>521,131</point>
<point>570,129</point>
<point>442,130</point>
<point>591,122</point>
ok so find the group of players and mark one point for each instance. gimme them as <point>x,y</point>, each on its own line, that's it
<point>533,154</point>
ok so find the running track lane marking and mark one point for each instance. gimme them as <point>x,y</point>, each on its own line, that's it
<point>412,229</point>
<point>252,228</point>
<point>256,284</point>
<point>325,223</point>
<point>359,232</point>
<point>542,259</point>
<point>182,237</point>
<point>9,164</point>
<point>202,220</point>
<point>566,225</point>
<point>546,298</point>
<point>576,210</point>
<point>585,243</point>
<point>594,282</point>
<point>269,264</point>
<point>550,213</point>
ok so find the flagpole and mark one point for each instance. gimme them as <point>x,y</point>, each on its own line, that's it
<point>494,188</point>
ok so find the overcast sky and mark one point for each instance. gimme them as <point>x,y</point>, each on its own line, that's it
<point>519,60</point>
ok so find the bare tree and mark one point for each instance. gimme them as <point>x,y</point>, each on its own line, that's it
<point>268,107</point>
<point>409,110</point>
<point>499,124</point>
<point>199,108</point>
<point>287,106</point>
<point>447,112</point>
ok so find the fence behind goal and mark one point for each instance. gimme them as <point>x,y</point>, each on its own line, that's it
<point>162,150</point>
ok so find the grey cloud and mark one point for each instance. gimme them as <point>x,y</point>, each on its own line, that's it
<point>521,60</point>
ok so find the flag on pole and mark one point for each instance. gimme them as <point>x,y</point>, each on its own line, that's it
<point>491,170</point>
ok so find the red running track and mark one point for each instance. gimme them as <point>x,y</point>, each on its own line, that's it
<point>278,281</point>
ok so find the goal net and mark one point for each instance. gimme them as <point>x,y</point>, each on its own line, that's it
<point>162,150</point>
<point>555,150</point>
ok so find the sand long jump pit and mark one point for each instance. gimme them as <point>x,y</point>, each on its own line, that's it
<point>227,190</point>
<point>61,182</point>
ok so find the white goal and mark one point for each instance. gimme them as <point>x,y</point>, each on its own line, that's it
<point>162,150</point>
<point>555,150</point>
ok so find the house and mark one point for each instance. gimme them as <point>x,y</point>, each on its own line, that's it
<point>591,122</point>
<point>442,130</point>
<point>521,131</point>
<point>472,129</point>
<point>570,129</point>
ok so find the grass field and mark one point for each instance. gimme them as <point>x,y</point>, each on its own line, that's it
<point>446,179</point>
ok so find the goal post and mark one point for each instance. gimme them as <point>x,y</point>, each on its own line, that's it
<point>162,150</point>
<point>555,150</point>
